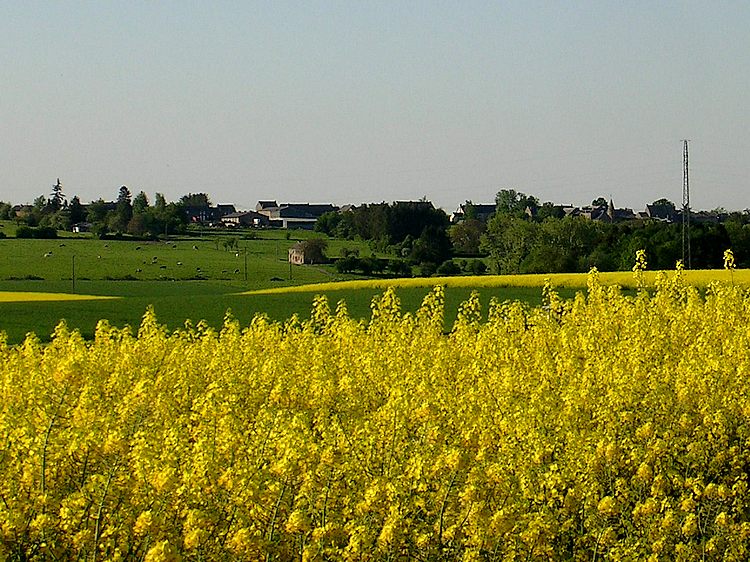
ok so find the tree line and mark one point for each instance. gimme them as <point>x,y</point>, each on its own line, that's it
<point>134,216</point>
<point>520,239</point>
<point>526,236</point>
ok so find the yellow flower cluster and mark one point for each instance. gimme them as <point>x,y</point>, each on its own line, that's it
<point>606,427</point>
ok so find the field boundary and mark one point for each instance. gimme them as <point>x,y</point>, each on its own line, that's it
<point>625,279</point>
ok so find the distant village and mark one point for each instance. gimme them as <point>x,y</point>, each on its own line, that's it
<point>661,210</point>
<point>270,214</point>
<point>305,215</point>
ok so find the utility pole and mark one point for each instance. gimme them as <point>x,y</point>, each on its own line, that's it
<point>73,272</point>
<point>685,207</point>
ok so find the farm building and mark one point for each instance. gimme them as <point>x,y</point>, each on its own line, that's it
<point>245,218</point>
<point>297,254</point>
<point>293,215</point>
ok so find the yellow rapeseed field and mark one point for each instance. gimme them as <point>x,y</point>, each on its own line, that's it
<point>22,296</point>
<point>698,278</point>
<point>608,427</point>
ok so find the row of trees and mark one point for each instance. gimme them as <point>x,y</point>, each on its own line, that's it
<point>127,215</point>
<point>516,245</point>
<point>545,242</point>
<point>526,236</point>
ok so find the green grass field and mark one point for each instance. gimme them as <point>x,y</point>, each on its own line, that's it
<point>191,277</point>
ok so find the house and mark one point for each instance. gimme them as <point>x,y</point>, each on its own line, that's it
<point>707,217</point>
<point>481,212</point>
<point>662,212</point>
<point>297,254</point>
<point>223,210</point>
<point>244,219</point>
<point>293,215</point>
<point>608,213</point>
<point>264,205</point>
<point>201,214</point>
<point>21,211</point>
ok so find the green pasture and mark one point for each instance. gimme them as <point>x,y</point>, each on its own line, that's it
<point>257,263</point>
<point>195,278</point>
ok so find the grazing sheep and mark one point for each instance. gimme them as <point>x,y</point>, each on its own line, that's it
<point>179,263</point>
<point>236,270</point>
<point>98,257</point>
<point>174,245</point>
<point>62,245</point>
<point>224,271</point>
<point>237,254</point>
<point>139,270</point>
<point>106,245</point>
<point>162,267</point>
<point>137,247</point>
<point>48,254</point>
<point>195,247</point>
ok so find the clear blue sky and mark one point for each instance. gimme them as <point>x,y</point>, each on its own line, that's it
<point>351,102</point>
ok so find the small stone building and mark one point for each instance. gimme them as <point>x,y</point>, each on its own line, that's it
<point>297,254</point>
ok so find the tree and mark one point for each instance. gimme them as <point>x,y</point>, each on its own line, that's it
<point>6,210</point>
<point>327,223</point>
<point>347,264</point>
<point>39,204</point>
<point>195,200</point>
<point>140,203</point>
<point>466,236</point>
<point>508,241</point>
<point>512,202</point>
<point>174,218</point>
<point>119,220</point>
<point>137,226</point>
<point>123,196</point>
<point>470,211</point>
<point>549,210</point>
<point>160,202</point>
<point>97,211</point>
<point>57,199</point>
<point>599,202</point>
<point>77,211</point>
<point>432,246</point>
<point>663,202</point>
<point>315,249</point>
